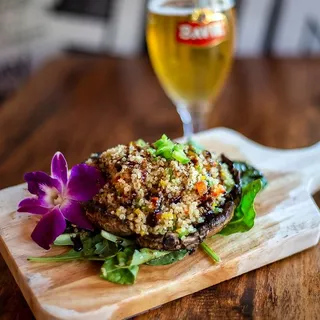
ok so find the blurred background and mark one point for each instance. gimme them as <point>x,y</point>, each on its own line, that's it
<point>33,31</point>
<point>75,77</point>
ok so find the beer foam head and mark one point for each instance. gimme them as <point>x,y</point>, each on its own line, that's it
<point>167,7</point>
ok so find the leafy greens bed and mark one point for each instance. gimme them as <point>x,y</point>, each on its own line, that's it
<point>121,257</point>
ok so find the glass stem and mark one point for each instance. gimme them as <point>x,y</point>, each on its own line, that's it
<point>193,117</point>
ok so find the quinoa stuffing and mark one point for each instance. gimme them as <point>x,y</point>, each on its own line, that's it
<point>172,192</point>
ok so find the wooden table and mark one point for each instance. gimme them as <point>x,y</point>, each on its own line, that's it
<point>79,104</point>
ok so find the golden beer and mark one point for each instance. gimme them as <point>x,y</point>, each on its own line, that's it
<point>190,68</point>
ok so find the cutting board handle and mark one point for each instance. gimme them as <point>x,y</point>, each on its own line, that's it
<point>306,161</point>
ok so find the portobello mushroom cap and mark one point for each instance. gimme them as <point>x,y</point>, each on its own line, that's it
<point>171,241</point>
<point>99,215</point>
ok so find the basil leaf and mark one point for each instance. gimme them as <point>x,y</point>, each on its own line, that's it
<point>249,173</point>
<point>243,219</point>
<point>170,258</point>
<point>144,255</point>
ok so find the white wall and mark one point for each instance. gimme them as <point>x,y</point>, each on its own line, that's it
<point>251,27</point>
<point>292,35</point>
<point>293,30</point>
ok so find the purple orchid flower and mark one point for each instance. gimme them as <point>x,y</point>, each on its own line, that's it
<point>57,198</point>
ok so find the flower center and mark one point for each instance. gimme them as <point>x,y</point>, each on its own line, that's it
<point>53,196</point>
<point>57,199</point>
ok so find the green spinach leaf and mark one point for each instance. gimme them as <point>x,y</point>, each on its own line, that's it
<point>117,269</point>
<point>144,255</point>
<point>89,244</point>
<point>111,271</point>
<point>124,257</point>
<point>65,239</point>
<point>249,173</point>
<point>89,251</point>
<point>106,248</point>
<point>243,219</point>
<point>118,240</point>
<point>172,257</point>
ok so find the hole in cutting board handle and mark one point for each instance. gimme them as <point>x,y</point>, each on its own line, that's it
<point>316,198</point>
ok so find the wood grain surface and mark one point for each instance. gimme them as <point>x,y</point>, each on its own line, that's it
<point>73,291</point>
<point>79,104</point>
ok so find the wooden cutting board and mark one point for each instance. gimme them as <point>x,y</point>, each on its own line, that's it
<point>288,222</point>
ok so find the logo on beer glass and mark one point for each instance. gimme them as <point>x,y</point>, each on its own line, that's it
<point>202,34</point>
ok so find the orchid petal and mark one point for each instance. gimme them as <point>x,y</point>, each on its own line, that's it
<point>74,213</point>
<point>37,179</point>
<point>33,205</point>
<point>49,228</point>
<point>84,182</point>
<point>59,168</point>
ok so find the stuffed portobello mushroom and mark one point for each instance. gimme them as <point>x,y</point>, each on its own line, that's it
<point>141,204</point>
<point>165,196</point>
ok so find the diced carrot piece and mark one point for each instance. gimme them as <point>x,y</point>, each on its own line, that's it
<point>201,188</point>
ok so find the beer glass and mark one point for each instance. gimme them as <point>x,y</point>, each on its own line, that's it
<point>190,43</point>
